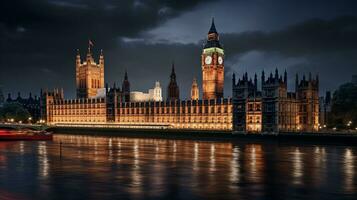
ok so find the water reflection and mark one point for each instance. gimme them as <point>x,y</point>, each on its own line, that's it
<point>112,167</point>
<point>349,168</point>
<point>297,171</point>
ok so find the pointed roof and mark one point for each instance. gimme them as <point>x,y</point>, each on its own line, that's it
<point>173,68</point>
<point>213,27</point>
<point>126,75</point>
<point>212,38</point>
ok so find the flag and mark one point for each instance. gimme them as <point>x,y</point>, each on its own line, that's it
<point>90,43</point>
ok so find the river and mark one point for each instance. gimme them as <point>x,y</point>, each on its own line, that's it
<point>89,167</point>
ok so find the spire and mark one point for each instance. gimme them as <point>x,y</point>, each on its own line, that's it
<point>173,89</point>
<point>101,56</point>
<point>234,79</point>
<point>126,87</point>
<point>285,77</point>
<point>213,27</point>
<point>276,73</point>
<point>173,74</point>
<point>296,82</point>
<point>78,58</point>
<point>126,75</point>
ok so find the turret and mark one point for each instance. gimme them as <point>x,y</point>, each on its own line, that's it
<point>194,90</point>
<point>78,58</point>
<point>255,82</point>
<point>126,87</point>
<point>101,58</point>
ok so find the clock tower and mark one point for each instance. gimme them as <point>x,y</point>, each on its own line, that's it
<point>212,62</point>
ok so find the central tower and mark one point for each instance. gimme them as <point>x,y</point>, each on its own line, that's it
<point>89,75</point>
<point>212,62</point>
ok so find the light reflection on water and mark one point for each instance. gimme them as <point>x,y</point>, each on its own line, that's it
<point>113,167</point>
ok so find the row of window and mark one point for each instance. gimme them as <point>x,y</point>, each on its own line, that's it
<point>172,110</point>
<point>177,119</point>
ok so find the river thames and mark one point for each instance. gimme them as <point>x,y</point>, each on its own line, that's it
<point>92,167</point>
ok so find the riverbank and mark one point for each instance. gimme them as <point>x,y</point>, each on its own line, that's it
<point>314,138</point>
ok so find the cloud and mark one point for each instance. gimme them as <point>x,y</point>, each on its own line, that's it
<point>38,33</point>
<point>310,37</point>
<point>39,41</point>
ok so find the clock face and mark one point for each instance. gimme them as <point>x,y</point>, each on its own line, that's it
<point>220,60</point>
<point>208,60</point>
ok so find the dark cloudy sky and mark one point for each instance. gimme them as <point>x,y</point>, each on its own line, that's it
<point>39,38</point>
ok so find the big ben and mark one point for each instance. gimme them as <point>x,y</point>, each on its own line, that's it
<point>212,62</point>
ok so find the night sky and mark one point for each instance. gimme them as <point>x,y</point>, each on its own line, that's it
<point>39,38</point>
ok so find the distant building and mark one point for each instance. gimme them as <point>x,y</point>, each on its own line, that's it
<point>89,75</point>
<point>274,109</point>
<point>2,98</point>
<point>354,79</point>
<point>154,94</point>
<point>31,104</point>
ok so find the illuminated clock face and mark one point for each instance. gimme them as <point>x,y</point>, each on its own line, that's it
<point>220,60</point>
<point>208,60</point>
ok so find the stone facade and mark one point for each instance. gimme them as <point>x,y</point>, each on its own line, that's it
<point>89,75</point>
<point>154,94</point>
<point>274,109</point>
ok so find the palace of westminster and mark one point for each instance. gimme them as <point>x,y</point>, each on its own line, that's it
<point>271,108</point>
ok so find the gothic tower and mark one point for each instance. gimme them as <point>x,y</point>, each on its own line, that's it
<point>126,88</point>
<point>212,62</point>
<point>195,93</point>
<point>89,74</point>
<point>173,92</point>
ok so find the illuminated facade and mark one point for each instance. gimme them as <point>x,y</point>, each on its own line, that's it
<point>121,108</point>
<point>154,94</point>
<point>89,75</point>
<point>274,109</point>
<point>212,62</point>
<point>271,109</point>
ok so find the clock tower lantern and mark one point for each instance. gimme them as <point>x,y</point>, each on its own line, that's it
<point>212,62</point>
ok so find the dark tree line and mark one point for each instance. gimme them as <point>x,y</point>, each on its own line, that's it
<point>14,111</point>
<point>344,107</point>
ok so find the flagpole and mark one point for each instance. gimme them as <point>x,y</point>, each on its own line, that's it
<point>88,46</point>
